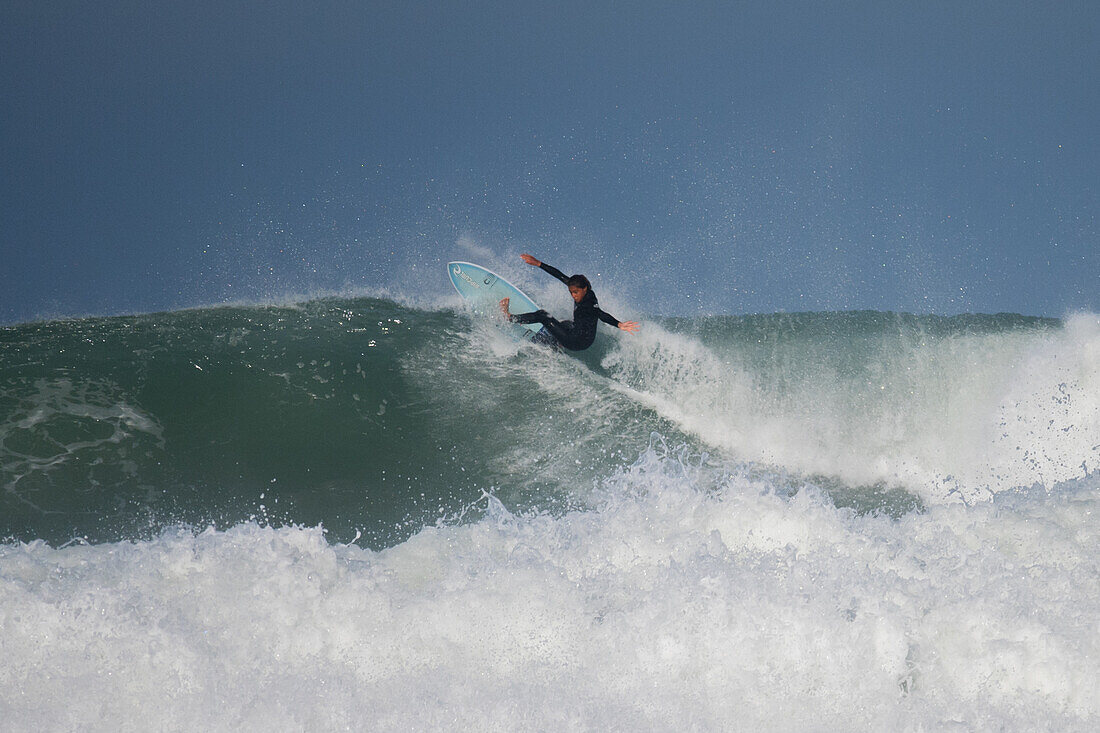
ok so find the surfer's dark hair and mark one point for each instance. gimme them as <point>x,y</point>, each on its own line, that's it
<point>578,281</point>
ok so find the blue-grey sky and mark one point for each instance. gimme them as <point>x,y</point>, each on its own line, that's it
<point>719,157</point>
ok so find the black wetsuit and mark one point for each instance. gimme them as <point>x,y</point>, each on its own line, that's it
<point>575,335</point>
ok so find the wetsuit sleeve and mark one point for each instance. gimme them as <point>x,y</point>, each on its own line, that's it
<point>607,318</point>
<point>555,272</point>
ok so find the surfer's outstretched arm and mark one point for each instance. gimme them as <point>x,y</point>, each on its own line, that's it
<point>545,267</point>
<point>628,326</point>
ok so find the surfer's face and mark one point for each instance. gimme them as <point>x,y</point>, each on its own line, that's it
<point>577,293</point>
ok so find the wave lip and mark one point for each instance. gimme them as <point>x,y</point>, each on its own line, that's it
<point>947,408</point>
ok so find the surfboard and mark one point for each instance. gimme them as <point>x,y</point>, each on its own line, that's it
<point>482,290</point>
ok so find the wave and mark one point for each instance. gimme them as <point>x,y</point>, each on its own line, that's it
<point>353,512</point>
<point>375,418</point>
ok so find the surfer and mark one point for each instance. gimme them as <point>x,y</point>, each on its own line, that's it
<point>578,334</point>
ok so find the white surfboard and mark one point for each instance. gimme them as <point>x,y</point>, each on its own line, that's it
<point>482,289</point>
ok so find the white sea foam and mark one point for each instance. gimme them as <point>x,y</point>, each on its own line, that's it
<point>666,606</point>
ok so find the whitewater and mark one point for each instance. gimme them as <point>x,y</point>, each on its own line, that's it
<point>354,513</point>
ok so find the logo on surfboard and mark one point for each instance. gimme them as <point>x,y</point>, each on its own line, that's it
<point>458,271</point>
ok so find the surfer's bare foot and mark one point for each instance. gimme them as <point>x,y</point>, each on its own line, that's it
<point>504,306</point>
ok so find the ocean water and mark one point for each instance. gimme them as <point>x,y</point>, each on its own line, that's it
<point>358,514</point>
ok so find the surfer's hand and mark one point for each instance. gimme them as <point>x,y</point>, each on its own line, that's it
<point>530,260</point>
<point>504,308</point>
<point>629,326</point>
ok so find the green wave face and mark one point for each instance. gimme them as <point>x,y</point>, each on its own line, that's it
<point>360,415</point>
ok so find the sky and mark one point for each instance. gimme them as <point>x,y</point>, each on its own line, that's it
<point>690,157</point>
